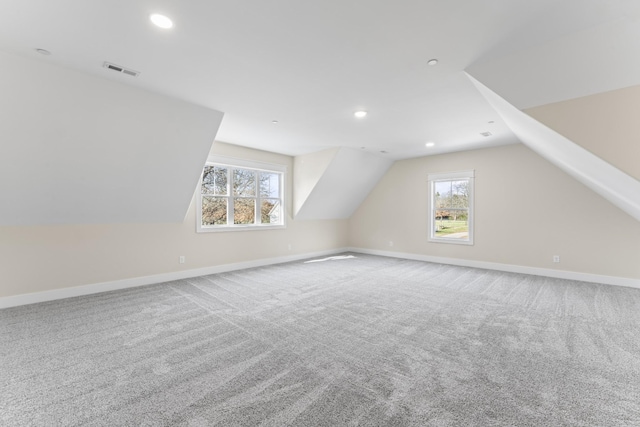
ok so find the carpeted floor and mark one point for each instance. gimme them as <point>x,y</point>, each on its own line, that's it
<point>356,341</point>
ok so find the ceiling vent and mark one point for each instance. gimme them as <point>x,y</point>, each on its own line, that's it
<point>485,133</point>
<point>120,69</point>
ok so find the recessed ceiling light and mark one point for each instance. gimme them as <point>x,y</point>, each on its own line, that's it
<point>485,134</point>
<point>430,144</point>
<point>432,62</point>
<point>43,52</point>
<point>275,122</point>
<point>491,121</point>
<point>161,21</point>
<point>360,114</point>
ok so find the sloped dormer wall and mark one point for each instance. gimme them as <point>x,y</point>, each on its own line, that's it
<point>80,149</point>
<point>332,184</point>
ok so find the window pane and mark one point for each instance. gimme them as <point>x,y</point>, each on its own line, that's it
<point>270,212</point>
<point>214,211</point>
<point>244,211</point>
<point>269,184</point>
<point>244,183</point>
<point>214,180</point>
<point>460,194</point>
<point>443,194</point>
<point>452,223</point>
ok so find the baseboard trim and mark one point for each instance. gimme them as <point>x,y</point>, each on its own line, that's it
<point>512,268</point>
<point>95,288</point>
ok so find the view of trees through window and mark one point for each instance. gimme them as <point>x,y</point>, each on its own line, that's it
<point>239,196</point>
<point>451,199</point>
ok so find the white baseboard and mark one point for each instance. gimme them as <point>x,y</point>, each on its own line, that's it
<point>548,272</point>
<point>32,298</point>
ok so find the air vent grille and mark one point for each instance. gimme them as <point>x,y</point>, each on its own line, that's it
<point>119,69</point>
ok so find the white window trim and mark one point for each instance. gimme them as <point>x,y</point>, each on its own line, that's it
<point>248,164</point>
<point>450,176</point>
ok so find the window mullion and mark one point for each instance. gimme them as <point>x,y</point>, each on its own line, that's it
<point>258,216</point>
<point>230,205</point>
<point>272,203</point>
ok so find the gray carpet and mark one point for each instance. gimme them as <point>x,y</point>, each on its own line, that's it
<point>363,341</point>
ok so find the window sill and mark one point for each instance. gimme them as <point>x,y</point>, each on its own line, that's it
<point>222,229</point>
<point>450,241</point>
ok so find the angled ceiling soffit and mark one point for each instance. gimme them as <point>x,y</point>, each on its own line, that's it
<point>617,187</point>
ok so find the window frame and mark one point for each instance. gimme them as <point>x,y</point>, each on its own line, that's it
<point>235,163</point>
<point>445,177</point>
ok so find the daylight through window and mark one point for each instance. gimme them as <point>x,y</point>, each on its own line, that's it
<point>239,197</point>
<point>451,207</point>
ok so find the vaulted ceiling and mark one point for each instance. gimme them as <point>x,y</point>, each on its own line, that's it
<point>310,65</point>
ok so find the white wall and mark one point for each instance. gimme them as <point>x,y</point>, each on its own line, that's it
<point>44,258</point>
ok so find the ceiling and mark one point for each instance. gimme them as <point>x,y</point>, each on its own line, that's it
<point>311,65</point>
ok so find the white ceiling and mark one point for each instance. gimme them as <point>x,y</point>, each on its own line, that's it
<point>310,65</point>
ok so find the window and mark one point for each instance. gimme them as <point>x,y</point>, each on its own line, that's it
<point>451,207</point>
<point>239,195</point>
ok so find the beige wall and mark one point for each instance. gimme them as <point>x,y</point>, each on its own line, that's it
<point>526,211</point>
<point>42,258</point>
<point>606,124</point>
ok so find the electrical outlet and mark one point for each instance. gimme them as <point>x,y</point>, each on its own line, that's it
<point>182,259</point>
<point>289,246</point>
<point>390,242</point>
<point>556,258</point>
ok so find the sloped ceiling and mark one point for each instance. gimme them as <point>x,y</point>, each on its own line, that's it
<point>610,182</point>
<point>595,59</point>
<point>310,65</point>
<point>78,149</point>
